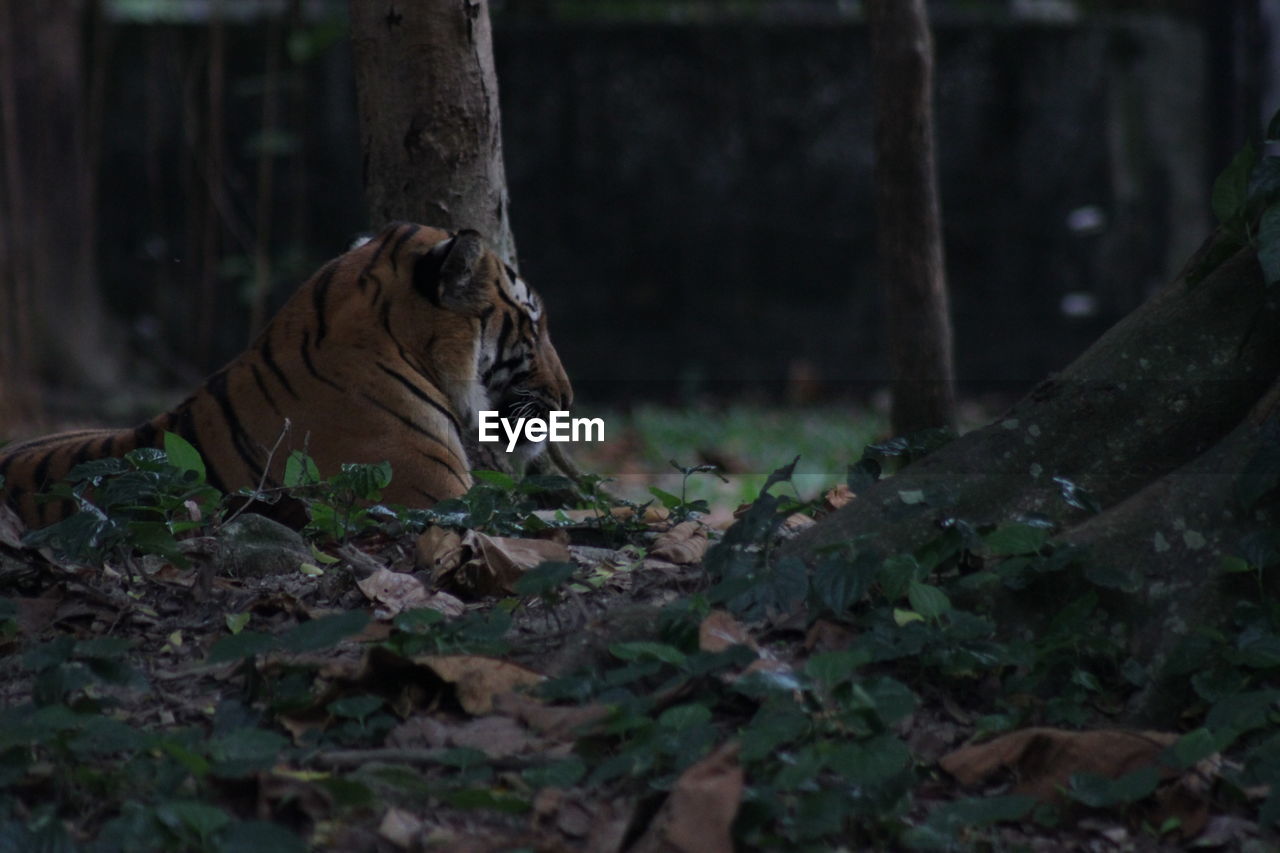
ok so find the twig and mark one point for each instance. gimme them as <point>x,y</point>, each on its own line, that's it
<point>266,469</point>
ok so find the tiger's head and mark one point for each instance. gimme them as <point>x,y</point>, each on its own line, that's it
<point>468,322</point>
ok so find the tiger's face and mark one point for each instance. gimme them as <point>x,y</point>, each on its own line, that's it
<point>478,307</point>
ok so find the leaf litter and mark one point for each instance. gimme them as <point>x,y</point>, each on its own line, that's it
<point>432,724</point>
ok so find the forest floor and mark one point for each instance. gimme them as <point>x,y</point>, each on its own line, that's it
<point>616,677</point>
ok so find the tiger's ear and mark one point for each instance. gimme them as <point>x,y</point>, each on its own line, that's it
<point>447,274</point>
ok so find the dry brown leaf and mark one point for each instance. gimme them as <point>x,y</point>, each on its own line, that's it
<point>11,527</point>
<point>720,631</point>
<point>837,497</point>
<point>551,721</point>
<point>698,814</point>
<point>395,591</point>
<point>497,562</point>
<point>651,514</point>
<point>438,550</point>
<point>684,544</point>
<point>477,680</point>
<point>1043,759</point>
<point>827,636</point>
<point>400,827</point>
<point>495,736</point>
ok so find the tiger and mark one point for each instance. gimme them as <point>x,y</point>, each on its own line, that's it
<point>387,353</point>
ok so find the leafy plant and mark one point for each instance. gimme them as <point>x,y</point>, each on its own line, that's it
<point>143,501</point>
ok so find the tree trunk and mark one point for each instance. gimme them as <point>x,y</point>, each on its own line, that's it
<point>1157,421</point>
<point>46,209</point>
<point>429,118</point>
<point>908,221</point>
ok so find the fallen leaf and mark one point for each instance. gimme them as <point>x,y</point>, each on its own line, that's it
<point>477,680</point>
<point>698,814</point>
<point>684,544</point>
<point>395,591</point>
<point>720,631</point>
<point>1042,760</point>
<point>554,722</point>
<point>11,527</point>
<point>495,736</point>
<point>837,497</point>
<point>438,550</point>
<point>497,562</point>
<point>400,827</point>
<point>651,515</point>
<point>827,636</point>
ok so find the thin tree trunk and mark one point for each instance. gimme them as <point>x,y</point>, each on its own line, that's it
<point>429,118</point>
<point>908,226</point>
<point>214,168</point>
<point>266,179</point>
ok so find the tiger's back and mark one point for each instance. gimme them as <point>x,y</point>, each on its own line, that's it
<point>387,353</point>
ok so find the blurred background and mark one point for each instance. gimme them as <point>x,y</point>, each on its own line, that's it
<point>690,185</point>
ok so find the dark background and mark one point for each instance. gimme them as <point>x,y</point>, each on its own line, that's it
<point>693,197</point>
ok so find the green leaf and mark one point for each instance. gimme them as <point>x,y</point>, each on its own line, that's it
<point>202,819</point>
<point>1234,565</point>
<point>840,582</point>
<point>495,478</point>
<point>1269,244</point>
<point>259,836</point>
<point>897,574</point>
<point>645,650</point>
<point>544,577</point>
<point>685,716</point>
<point>1231,189</point>
<point>869,763</point>
<point>324,632</point>
<point>667,499</point>
<point>236,622</point>
<point>1194,746</point>
<point>929,601</point>
<point>558,774</point>
<point>300,470</point>
<point>183,456</point>
<point>246,644</point>
<point>1099,791</point>
<point>835,668</point>
<point>1009,540</point>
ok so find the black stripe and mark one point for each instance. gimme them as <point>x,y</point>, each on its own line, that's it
<point>385,315</point>
<point>418,429</point>
<point>320,296</point>
<point>82,453</point>
<point>106,447</point>
<point>383,239</point>
<point>305,350</point>
<point>262,388</point>
<point>145,435</point>
<point>217,388</point>
<point>264,349</point>
<point>452,472</point>
<point>41,472</point>
<point>503,334</point>
<point>427,495</point>
<point>395,250</point>
<point>515,306</point>
<point>424,397</point>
